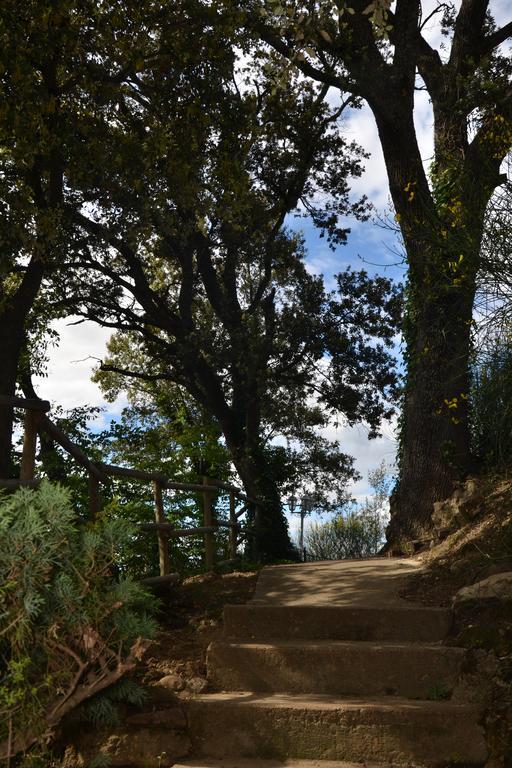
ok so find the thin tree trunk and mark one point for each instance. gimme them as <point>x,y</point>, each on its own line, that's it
<point>11,344</point>
<point>12,339</point>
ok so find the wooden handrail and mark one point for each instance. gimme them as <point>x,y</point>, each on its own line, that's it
<point>12,484</point>
<point>163,549</point>
<point>175,533</point>
<point>158,477</point>
<point>22,402</point>
<point>200,529</point>
<point>28,457</point>
<point>228,524</point>
<point>74,450</point>
<point>36,421</point>
<point>232,489</point>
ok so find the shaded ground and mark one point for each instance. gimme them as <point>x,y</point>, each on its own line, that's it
<point>154,734</point>
<point>480,548</point>
<point>191,618</point>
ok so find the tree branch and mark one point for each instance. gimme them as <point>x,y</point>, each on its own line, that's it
<point>75,695</point>
<point>136,374</point>
<point>276,42</point>
<point>141,289</point>
<point>492,41</point>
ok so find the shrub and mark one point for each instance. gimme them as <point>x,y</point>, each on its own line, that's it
<point>358,532</point>
<point>352,535</point>
<point>68,628</point>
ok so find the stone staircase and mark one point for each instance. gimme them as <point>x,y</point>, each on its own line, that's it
<point>363,679</point>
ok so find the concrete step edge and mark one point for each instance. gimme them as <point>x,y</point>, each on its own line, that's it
<point>403,607</point>
<point>247,762</point>
<point>341,644</point>
<point>263,623</point>
<point>326,701</point>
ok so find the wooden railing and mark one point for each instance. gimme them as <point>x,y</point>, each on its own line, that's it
<point>36,421</point>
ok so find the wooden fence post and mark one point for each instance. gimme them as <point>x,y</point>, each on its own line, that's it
<point>233,532</point>
<point>209,538</point>
<point>28,458</point>
<point>94,496</point>
<point>163,544</point>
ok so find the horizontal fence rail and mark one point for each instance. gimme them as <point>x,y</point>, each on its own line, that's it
<point>36,421</point>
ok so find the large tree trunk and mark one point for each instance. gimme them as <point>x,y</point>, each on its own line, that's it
<point>435,439</point>
<point>11,344</point>
<point>442,242</point>
<point>12,339</point>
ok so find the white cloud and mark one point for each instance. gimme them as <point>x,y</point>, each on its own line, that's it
<point>361,127</point>
<point>68,381</point>
<point>368,453</point>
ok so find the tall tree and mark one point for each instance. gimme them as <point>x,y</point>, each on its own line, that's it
<point>53,59</point>
<point>31,187</point>
<point>182,248</point>
<point>379,51</point>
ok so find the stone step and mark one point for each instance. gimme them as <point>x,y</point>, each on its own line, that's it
<point>244,762</point>
<point>355,669</point>
<point>319,727</point>
<point>330,622</point>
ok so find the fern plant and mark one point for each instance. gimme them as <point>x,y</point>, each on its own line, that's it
<point>69,628</point>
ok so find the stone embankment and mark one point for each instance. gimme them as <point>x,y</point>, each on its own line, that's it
<point>328,668</point>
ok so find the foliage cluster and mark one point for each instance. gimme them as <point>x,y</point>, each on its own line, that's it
<point>69,628</point>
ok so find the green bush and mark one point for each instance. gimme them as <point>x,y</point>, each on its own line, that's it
<point>68,628</point>
<point>356,532</point>
<point>352,535</point>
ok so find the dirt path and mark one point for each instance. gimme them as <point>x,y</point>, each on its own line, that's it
<point>371,582</point>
